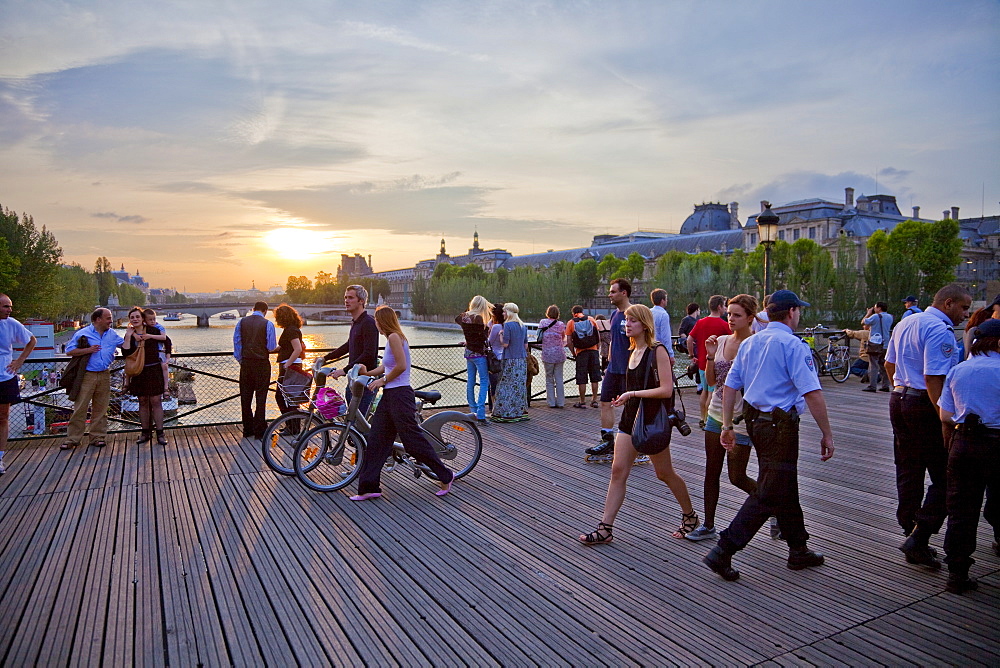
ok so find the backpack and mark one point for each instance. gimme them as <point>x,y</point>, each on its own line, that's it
<point>584,334</point>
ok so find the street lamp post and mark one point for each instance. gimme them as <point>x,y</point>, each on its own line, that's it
<point>767,228</point>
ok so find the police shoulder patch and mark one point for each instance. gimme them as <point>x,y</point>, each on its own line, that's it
<point>947,349</point>
<point>809,362</point>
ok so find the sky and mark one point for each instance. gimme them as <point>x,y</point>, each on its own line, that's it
<point>210,144</point>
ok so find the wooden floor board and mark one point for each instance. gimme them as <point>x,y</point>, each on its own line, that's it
<point>197,554</point>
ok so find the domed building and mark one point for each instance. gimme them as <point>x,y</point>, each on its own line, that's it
<point>711,217</point>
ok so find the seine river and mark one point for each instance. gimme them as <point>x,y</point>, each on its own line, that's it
<point>218,337</point>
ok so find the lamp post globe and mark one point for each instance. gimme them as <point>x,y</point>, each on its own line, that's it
<point>767,227</point>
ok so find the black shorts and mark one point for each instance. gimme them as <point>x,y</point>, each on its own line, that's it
<point>613,385</point>
<point>588,364</point>
<point>10,392</point>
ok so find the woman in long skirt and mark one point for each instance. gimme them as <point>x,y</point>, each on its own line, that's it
<point>512,399</point>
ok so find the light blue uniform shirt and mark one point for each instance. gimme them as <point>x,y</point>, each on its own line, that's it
<point>880,323</point>
<point>12,333</point>
<point>922,345</point>
<point>913,310</point>
<point>776,368</point>
<point>661,323</point>
<point>109,341</point>
<point>974,387</point>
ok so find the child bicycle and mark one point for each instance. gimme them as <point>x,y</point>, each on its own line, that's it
<point>329,456</point>
<point>283,433</point>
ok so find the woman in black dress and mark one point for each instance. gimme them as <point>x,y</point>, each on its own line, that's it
<point>649,353</point>
<point>148,385</point>
<point>291,354</point>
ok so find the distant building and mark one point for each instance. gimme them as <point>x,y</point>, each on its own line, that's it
<point>715,228</point>
<point>353,267</point>
<point>136,280</point>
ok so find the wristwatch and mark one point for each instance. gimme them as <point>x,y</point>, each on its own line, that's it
<point>725,428</point>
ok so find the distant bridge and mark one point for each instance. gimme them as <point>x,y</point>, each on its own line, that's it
<point>205,311</point>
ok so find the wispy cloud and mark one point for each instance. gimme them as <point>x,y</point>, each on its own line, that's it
<point>120,219</point>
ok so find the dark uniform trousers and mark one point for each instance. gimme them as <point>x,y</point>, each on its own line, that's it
<point>973,468</point>
<point>777,446</point>
<point>396,415</point>
<point>255,376</point>
<point>918,448</point>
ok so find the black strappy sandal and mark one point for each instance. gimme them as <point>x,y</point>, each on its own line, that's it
<point>599,536</point>
<point>689,522</point>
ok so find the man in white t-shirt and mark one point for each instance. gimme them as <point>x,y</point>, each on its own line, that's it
<point>12,333</point>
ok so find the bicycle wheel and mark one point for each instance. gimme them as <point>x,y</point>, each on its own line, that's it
<point>840,365</point>
<point>281,437</point>
<point>464,447</point>
<point>329,457</point>
<point>818,363</point>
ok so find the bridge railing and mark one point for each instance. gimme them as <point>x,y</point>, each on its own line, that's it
<point>204,390</point>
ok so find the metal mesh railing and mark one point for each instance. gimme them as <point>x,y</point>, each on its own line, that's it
<point>204,389</point>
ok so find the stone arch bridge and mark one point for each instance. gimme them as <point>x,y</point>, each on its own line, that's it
<point>204,311</point>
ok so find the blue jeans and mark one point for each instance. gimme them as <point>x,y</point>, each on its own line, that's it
<point>477,366</point>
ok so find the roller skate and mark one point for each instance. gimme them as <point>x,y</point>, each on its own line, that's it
<point>603,452</point>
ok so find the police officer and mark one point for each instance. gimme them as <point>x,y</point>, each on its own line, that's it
<point>775,369</point>
<point>911,306</point>
<point>970,404</point>
<point>922,350</point>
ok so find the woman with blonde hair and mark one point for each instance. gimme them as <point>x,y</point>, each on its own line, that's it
<point>511,403</point>
<point>649,379</point>
<point>395,415</point>
<point>475,327</point>
<point>721,351</point>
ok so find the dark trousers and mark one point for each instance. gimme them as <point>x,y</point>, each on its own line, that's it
<point>876,369</point>
<point>777,447</point>
<point>973,468</point>
<point>918,448</point>
<point>255,376</point>
<point>396,415</point>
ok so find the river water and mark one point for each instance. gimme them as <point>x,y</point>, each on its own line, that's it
<point>218,337</point>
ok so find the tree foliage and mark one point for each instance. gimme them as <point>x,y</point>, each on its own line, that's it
<point>30,281</point>
<point>77,292</point>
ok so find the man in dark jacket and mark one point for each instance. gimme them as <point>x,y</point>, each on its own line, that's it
<point>362,342</point>
<point>253,341</point>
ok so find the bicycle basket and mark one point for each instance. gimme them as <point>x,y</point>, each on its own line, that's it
<point>329,403</point>
<point>295,386</point>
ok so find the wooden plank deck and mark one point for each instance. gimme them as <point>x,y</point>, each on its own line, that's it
<point>196,554</point>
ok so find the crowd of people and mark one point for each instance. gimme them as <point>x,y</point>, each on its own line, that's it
<point>755,378</point>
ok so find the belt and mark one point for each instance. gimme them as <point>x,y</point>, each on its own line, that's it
<point>903,391</point>
<point>979,430</point>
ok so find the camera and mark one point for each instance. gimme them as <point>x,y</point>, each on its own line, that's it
<point>676,417</point>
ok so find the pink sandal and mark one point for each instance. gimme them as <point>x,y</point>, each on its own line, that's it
<point>444,488</point>
<point>366,497</point>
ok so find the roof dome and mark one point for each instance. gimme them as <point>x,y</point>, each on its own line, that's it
<point>711,217</point>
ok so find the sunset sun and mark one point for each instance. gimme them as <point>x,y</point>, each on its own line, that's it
<point>293,242</point>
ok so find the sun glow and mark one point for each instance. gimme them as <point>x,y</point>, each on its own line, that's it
<point>295,242</point>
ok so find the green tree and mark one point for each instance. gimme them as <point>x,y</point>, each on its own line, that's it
<point>9,267</point>
<point>608,265</point>
<point>845,290</point>
<point>299,289</point>
<point>33,286</point>
<point>129,295</point>
<point>810,272</point>
<point>106,282</point>
<point>587,279</point>
<point>77,293</point>
<point>632,268</point>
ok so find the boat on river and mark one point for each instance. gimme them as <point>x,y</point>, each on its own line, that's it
<point>228,316</point>
<point>173,317</point>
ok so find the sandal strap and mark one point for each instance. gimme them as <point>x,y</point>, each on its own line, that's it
<point>595,535</point>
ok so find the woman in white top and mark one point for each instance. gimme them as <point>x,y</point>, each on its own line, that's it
<point>396,414</point>
<point>721,351</point>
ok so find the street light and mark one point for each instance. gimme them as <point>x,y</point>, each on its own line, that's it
<point>767,227</point>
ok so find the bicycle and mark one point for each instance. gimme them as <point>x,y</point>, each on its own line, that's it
<point>837,363</point>
<point>284,432</point>
<point>329,456</point>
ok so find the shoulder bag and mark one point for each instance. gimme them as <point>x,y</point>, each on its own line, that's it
<point>493,363</point>
<point>135,362</point>
<point>875,347</point>
<point>651,435</point>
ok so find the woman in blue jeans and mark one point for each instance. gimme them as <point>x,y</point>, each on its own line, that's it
<point>475,327</point>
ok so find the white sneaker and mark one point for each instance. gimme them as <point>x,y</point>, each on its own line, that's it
<point>3,469</point>
<point>641,459</point>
